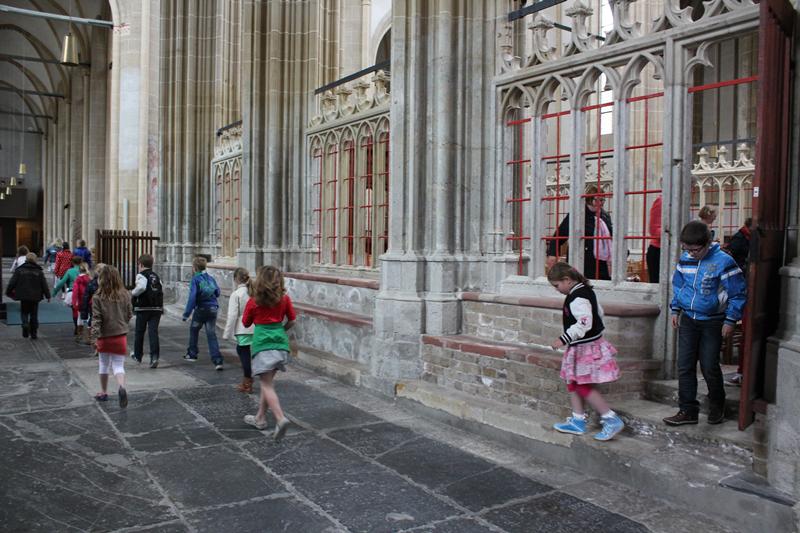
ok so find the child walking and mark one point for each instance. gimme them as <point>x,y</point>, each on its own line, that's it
<point>78,290</point>
<point>111,312</point>
<point>148,304</point>
<point>589,358</point>
<point>244,335</point>
<point>267,309</point>
<point>202,305</point>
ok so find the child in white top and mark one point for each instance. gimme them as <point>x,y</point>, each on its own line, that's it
<point>244,335</point>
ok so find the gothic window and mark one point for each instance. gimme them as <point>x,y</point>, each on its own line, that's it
<point>350,189</point>
<point>554,170</point>
<point>518,125</point>
<point>597,155</point>
<point>644,151</point>
<point>723,98</point>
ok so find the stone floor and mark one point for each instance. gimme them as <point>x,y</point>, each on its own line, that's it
<point>179,458</point>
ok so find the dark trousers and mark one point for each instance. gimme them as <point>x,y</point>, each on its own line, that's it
<point>594,269</point>
<point>244,358</point>
<point>699,340</point>
<point>146,320</point>
<point>653,263</point>
<point>29,315</point>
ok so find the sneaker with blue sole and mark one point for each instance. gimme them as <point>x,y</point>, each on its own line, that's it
<point>611,426</point>
<point>573,425</point>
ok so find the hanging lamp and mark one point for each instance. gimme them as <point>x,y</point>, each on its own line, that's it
<point>69,54</point>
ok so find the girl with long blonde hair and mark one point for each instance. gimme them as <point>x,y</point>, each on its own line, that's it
<point>271,311</point>
<point>243,290</point>
<point>111,312</point>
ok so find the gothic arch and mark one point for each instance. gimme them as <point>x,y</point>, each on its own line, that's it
<point>587,81</point>
<point>546,93</point>
<point>631,75</point>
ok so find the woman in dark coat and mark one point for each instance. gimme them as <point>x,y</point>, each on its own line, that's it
<point>29,286</point>
<point>594,267</point>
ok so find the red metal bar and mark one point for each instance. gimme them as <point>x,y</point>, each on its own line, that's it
<point>720,84</point>
<point>644,97</point>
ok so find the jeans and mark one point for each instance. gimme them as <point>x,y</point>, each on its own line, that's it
<point>204,316</point>
<point>699,340</point>
<point>29,315</point>
<point>146,320</point>
<point>244,358</point>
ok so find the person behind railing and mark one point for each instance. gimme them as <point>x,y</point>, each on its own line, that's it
<point>597,252</point>
<point>654,249</point>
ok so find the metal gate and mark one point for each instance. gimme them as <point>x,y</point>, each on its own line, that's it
<point>776,29</point>
<point>122,249</point>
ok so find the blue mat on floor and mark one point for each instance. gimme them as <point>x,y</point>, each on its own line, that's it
<point>54,312</point>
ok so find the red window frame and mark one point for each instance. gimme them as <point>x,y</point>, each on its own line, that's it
<point>721,191</point>
<point>318,155</point>
<point>368,146</point>
<point>348,199</point>
<point>518,202</point>
<point>646,146</point>
<point>551,231</point>
<point>598,152</point>
<point>383,139</point>
<point>333,161</point>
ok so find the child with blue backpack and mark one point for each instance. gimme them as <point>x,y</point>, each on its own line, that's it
<point>202,306</point>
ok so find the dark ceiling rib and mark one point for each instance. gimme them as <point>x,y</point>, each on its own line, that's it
<point>17,113</point>
<point>33,132</point>
<point>42,60</point>
<point>29,91</point>
<point>74,20</point>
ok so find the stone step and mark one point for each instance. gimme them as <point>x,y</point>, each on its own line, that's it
<point>690,470</point>
<point>666,392</point>
<point>644,418</point>
<point>516,373</point>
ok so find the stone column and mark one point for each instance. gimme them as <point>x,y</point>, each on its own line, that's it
<point>281,70</point>
<point>437,176</point>
<point>96,174</point>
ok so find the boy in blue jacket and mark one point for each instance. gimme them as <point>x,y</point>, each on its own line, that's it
<point>202,306</point>
<point>709,294</point>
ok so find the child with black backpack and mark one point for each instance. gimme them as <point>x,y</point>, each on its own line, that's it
<point>202,306</point>
<point>148,305</point>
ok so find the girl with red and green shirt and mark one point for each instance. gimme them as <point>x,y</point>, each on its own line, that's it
<point>267,310</point>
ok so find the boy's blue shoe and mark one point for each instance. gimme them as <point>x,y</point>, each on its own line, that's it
<point>573,425</point>
<point>611,426</point>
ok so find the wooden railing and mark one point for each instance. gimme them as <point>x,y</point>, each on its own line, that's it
<point>122,249</point>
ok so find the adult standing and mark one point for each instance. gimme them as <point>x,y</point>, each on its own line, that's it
<point>707,216</point>
<point>654,250</point>
<point>597,250</point>
<point>29,287</point>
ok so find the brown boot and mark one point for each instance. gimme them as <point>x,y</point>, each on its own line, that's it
<point>246,386</point>
<point>78,333</point>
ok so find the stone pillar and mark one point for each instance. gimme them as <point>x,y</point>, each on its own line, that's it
<point>96,175</point>
<point>281,69</point>
<point>186,130</point>
<point>438,177</point>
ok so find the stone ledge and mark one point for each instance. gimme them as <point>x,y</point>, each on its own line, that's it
<point>610,308</point>
<point>344,370</point>
<point>684,473</point>
<point>351,319</point>
<point>326,278</point>
<point>540,356</point>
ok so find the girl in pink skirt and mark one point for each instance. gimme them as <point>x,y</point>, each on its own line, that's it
<point>589,358</point>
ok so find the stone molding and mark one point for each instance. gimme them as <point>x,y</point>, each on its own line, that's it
<point>228,143</point>
<point>351,100</point>
<point>610,309</point>
<point>539,49</point>
<point>343,317</point>
<point>352,282</point>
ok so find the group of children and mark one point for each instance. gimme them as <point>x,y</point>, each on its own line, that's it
<point>260,313</point>
<point>709,293</point>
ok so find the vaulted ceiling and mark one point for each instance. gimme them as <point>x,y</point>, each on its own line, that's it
<point>31,76</point>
